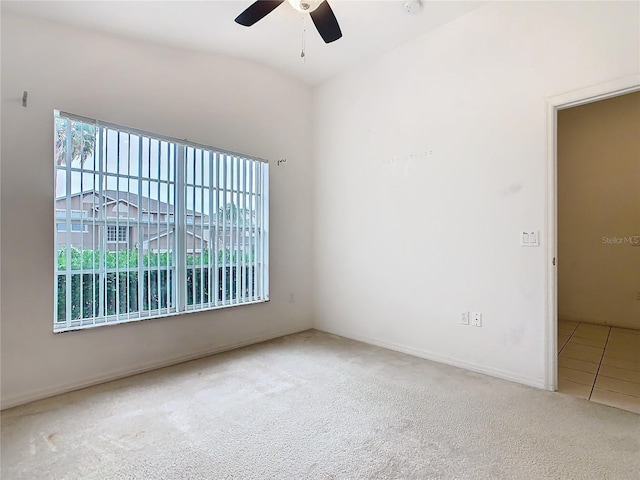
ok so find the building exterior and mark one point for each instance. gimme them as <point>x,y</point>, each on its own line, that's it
<point>122,220</point>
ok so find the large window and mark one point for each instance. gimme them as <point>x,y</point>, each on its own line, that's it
<point>149,226</point>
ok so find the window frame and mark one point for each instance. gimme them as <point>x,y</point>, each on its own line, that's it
<point>61,215</point>
<point>176,223</point>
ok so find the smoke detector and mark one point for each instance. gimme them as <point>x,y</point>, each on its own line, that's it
<point>413,7</point>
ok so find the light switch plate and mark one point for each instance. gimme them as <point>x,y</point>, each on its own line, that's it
<point>529,238</point>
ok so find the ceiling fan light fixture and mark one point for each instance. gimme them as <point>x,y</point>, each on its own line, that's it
<point>305,6</point>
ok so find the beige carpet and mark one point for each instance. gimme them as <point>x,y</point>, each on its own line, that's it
<point>316,406</point>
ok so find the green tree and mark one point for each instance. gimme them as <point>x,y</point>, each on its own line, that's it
<point>234,214</point>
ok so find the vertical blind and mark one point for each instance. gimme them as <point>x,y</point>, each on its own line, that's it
<point>149,226</point>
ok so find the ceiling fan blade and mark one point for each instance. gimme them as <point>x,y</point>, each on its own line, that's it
<point>326,23</point>
<point>257,11</point>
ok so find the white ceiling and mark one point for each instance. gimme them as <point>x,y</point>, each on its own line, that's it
<point>369,28</point>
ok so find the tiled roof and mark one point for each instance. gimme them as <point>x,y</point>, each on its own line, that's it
<point>148,205</point>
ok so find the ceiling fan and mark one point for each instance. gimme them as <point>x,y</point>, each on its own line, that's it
<point>320,12</point>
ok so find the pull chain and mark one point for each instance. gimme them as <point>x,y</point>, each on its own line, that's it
<point>304,30</point>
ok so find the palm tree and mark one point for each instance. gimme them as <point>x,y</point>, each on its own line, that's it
<point>82,143</point>
<point>83,140</point>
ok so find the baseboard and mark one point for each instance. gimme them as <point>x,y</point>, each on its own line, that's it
<point>493,372</point>
<point>14,401</point>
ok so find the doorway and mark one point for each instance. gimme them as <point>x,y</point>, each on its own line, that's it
<point>594,212</point>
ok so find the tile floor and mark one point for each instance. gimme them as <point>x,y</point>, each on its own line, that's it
<point>600,363</point>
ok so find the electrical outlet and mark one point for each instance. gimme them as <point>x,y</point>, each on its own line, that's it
<point>464,319</point>
<point>291,297</point>
<point>476,319</point>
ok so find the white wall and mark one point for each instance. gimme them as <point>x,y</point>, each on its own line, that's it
<point>428,163</point>
<point>208,99</point>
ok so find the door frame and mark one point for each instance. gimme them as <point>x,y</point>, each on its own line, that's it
<point>620,86</point>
